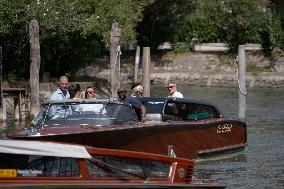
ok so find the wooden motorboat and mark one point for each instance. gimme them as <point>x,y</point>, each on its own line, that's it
<point>42,164</point>
<point>181,127</point>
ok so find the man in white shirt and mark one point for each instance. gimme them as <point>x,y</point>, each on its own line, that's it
<point>62,91</point>
<point>60,94</point>
<point>172,87</point>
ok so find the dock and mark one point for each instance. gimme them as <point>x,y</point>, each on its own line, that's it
<point>21,102</point>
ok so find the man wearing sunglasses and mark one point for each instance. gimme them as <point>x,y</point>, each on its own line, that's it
<point>172,88</point>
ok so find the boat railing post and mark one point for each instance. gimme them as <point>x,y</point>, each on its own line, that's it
<point>242,82</point>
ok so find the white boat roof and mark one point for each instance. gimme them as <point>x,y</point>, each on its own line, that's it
<point>42,148</point>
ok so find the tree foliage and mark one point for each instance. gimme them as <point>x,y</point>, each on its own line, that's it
<point>71,31</point>
<point>74,32</point>
<point>234,22</point>
<point>101,14</point>
<point>161,21</point>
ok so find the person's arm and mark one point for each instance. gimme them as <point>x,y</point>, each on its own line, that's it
<point>138,105</point>
<point>143,113</point>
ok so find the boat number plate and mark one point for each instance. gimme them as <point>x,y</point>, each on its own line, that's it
<point>224,128</point>
<point>8,172</point>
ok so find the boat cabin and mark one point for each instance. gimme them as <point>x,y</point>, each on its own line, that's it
<point>39,164</point>
<point>49,159</point>
<point>178,109</point>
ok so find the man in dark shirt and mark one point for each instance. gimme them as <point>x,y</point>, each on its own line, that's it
<point>134,102</point>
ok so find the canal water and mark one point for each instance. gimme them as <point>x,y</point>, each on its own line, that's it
<point>261,164</point>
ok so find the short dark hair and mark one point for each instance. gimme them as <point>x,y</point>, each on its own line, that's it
<point>78,87</point>
<point>121,90</point>
<point>93,87</point>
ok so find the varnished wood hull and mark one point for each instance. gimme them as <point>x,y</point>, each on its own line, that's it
<point>188,139</point>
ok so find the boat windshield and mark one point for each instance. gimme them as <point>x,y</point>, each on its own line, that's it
<point>111,166</point>
<point>94,113</point>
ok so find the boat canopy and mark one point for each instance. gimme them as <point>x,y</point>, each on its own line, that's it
<point>41,148</point>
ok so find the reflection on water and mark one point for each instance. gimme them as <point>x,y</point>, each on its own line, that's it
<point>10,125</point>
<point>261,164</point>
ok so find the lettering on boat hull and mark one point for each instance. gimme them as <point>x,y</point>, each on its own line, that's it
<point>224,128</point>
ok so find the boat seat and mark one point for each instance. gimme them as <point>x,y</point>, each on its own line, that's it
<point>154,117</point>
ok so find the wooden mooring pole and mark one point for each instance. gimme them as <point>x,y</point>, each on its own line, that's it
<point>136,68</point>
<point>115,58</point>
<point>35,66</point>
<point>242,82</point>
<point>146,60</point>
